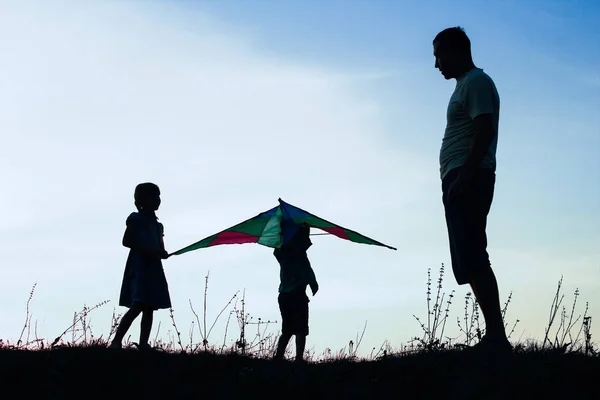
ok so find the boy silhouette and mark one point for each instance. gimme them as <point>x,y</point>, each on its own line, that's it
<point>295,274</point>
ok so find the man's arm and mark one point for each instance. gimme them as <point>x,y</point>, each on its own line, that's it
<point>484,134</point>
<point>480,101</point>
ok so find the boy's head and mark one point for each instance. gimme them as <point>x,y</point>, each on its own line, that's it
<point>147,196</point>
<point>301,235</point>
<point>303,231</point>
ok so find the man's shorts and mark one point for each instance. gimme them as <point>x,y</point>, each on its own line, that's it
<point>294,313</point>
<point>466,219</point>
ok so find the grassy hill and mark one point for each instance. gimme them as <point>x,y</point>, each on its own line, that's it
<point>565,365</point>
<point>86,371</point>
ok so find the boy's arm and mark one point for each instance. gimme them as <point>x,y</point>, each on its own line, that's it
<point>312,281</point>
<point>306,243</point>
<point>302,241</point>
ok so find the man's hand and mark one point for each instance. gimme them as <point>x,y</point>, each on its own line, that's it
<point>314,288</point>
<point>460,186</point>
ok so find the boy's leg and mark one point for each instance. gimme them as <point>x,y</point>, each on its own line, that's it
<point>300,346</point>
<point>125,324</point>
<point>301,327</point>
<point>284,339</point>
<point>146,326</point>
<point>286,334</point>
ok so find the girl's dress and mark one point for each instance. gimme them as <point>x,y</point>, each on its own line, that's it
<point>144,279</point>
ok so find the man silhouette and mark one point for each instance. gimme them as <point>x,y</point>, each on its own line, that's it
<point>295,274</point>
<point>468,174</point>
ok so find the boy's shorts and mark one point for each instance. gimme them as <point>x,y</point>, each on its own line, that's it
<point>466,219</point>
<point>294,313</point>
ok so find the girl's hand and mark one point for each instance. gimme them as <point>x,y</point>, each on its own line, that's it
<point>164,255</point>
<point>158,253</point>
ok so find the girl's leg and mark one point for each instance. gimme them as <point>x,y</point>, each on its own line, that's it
<point>147,317</point>
<point>125,324</point>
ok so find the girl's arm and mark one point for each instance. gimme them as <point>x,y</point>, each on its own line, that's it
<point>130,242</point>
<point>131,238</point>
<point>164,254</point>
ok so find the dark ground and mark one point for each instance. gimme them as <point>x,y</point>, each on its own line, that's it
<point>84,372</point>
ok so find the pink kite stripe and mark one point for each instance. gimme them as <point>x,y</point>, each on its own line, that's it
<point>339,232</point>
<point>233,238</point>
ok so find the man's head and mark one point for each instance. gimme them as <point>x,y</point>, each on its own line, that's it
<point>452,52</point>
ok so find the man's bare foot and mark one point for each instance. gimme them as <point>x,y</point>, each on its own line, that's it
<point>115,345</point>
<point>492,345</point>
<point>144,347</point>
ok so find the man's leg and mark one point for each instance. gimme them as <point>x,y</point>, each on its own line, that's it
<point>485,289</point>
<point>483,282</point>
<point>467,220</point>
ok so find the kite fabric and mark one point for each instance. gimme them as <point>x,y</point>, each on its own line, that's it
<point>275,227</point>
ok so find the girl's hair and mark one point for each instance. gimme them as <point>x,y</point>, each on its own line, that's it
<point>142,192</point>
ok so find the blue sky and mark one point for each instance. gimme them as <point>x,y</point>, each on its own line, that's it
<point>544,51</point>
<point>224,104</point>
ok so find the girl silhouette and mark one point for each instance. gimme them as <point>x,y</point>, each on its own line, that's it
<point>144,288</point>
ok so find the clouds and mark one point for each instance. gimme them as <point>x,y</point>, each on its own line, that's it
<point>99,98</point>
<point>129,96</point>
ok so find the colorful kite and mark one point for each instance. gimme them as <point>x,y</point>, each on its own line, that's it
<point>275,227</point>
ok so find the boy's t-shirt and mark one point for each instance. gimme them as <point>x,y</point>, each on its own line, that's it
<point>295,269</point>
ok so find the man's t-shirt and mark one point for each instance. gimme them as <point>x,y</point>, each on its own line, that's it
<point>475,94</point>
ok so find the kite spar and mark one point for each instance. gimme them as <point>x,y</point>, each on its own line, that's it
<point>275,227</point>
